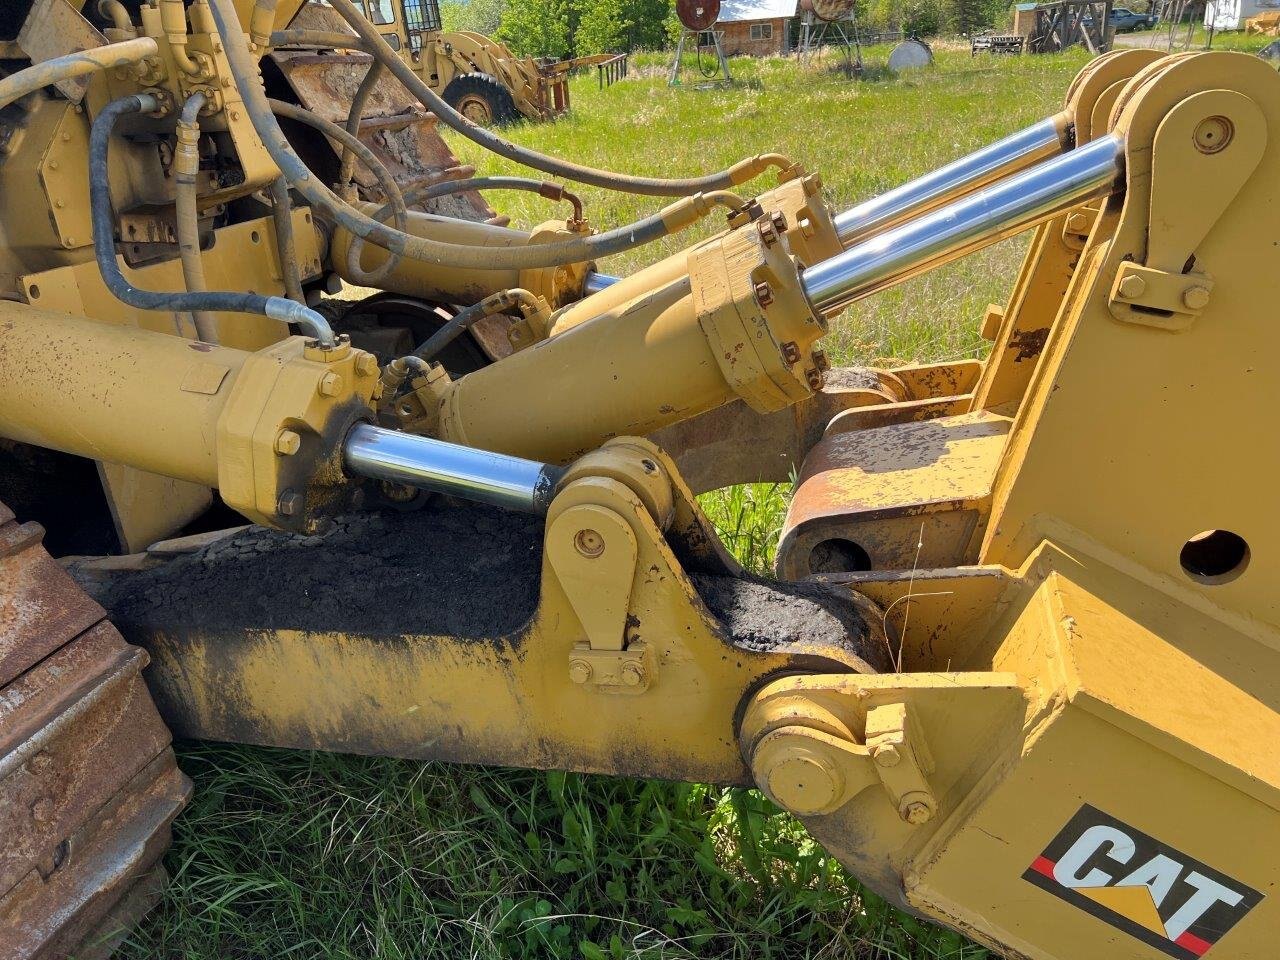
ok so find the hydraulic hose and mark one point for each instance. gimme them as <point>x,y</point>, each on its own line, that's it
<point>543,188</point>
<point>674,217</point>
<point>277,308</point>
<point>366,156</point>
<point>354,116</point>
<point>282,219</point>
<point>108,57</point>
<point>377,47</point>
<point>118,14</point>
<point>186,169</point>
<point>466,318</point>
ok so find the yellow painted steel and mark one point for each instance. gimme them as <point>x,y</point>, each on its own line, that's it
<point>737,325</point>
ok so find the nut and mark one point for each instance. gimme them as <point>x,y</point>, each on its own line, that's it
<point>632,673</point>
<point>768,234</point>
<point>813,378</point>
<point>1132,286</point>
<point>821,361</point>
<point>589,543</point>
<point>288,443</point>
<point>330,385</point>
<point>779,221</point>
<point>764,293</point>
<point>791,352</point>
<point>1195,298</point>
<point>579,671</point>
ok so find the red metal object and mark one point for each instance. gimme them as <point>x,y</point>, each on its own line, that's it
<point>698,14</point>
<point>88,783</point>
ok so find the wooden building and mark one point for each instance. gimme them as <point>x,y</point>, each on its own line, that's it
<point>755,28</point>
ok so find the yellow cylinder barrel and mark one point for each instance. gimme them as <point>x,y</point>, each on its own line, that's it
<point>630,370</point>
<point>113,393</point>
<point>433,280</point>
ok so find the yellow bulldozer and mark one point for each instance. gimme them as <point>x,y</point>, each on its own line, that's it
<point>1019,668</point>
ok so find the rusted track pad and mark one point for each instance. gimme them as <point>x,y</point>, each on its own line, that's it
<point>88,783</point>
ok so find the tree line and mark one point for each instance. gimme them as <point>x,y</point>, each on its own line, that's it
<point>574,28</point>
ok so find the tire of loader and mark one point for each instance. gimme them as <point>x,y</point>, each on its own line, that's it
<point>482,99</point>
<point>88,783</point>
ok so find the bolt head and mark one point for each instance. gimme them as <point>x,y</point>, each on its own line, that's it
<point>887,755</point>
<point>579,671</point>
<point>632,674</point>
<point>288,443</point>
<point>289,504</point>
<point>764,293</point>
<point>916,808</point>
<point>1077,223</point>
<point>366,365</point>
<point>330,385</point>
<point>41,810</point>
<point>589,543</point>
<point>1132,286</point>
<point>1195,298</point>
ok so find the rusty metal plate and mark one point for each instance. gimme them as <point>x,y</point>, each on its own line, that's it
<point>88,782</point>
<point>698,14</point>
<point>829,10</point>
<point>54,28</point>
<point>394,126</point>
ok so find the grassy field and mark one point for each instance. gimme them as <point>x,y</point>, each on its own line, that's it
<point>285,854</point>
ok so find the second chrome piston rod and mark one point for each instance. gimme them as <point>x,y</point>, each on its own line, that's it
<point>963,226</point>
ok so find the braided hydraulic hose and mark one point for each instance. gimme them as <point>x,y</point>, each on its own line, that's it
<point>532,256</point>
<point>354,116</point>
<point>186,169</point>
<point>375,45</point>
<point>277,308</point>
<point>466,318</point>
<point>366,156</point>
<point>112,55</point>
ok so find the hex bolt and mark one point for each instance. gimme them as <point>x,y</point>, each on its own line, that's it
<point>632,673</point>
<point>330,385</point>
<point>289,504</point>
<point>768,234</point>
<point>764,293</point>
<point>1078,223</point>
<point>791,352</point>
<point>579,671</point>
<point>288,443</point>
<point>366,365</point>
<point>886,755</point>
<point>41,810</point>
<point>820,361</point>
<point>779,221</point>
<point>589,543</point>
<point>1132,287</point>
<point>915,808</point>
<point>814,379</point>
<point>1195,298</point>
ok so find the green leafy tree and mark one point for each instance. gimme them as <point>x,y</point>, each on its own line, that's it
<point>538,28</point>
<point>477,16</point>
<point>604,26</point>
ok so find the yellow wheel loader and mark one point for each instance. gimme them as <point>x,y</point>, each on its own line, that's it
<point>1019,668</point>
<point>478,76</point>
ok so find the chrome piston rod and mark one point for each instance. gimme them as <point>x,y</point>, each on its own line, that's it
<point>1015,153</point>
<point>975,221</point>
<point>471,474</point>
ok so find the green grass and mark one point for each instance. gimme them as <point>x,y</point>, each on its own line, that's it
<point>289,854</point>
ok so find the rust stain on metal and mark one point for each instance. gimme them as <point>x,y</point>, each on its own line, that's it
<point>1028,343</point>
